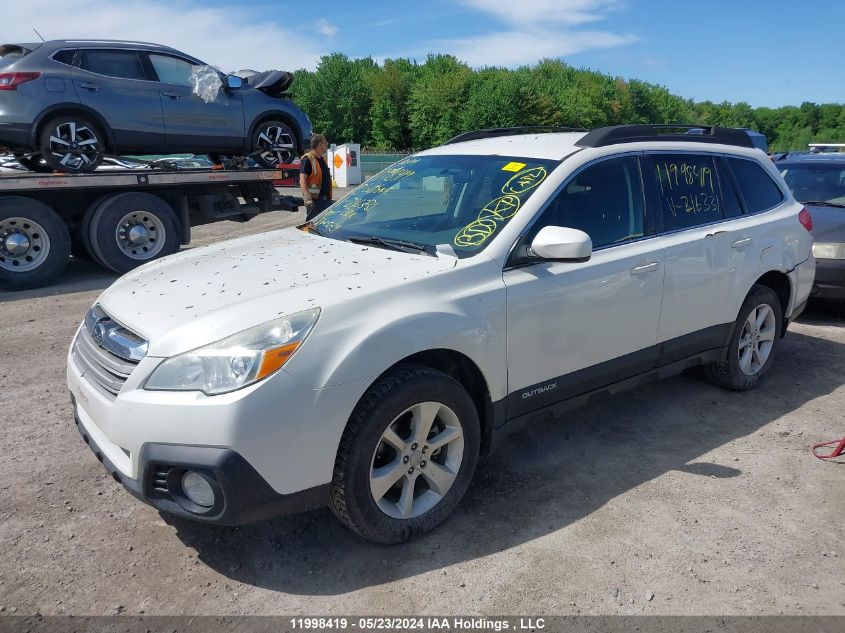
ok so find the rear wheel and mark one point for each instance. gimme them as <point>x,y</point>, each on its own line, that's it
<point>407,455</point>
<point>130,229</point>
<point>34,243</point>
<point>754,342</point>
<point>274,143</point>
<point>72,144</point>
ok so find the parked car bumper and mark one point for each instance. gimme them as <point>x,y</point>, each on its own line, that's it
<point>261,448</point>
<point>830,279</point>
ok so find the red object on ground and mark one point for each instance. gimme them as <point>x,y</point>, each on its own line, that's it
<point>839,450</point>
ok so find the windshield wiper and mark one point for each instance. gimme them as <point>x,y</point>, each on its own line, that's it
<point>824,203</point>
<point>395,245</point>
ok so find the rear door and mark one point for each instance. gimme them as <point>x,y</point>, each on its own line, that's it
<point>190,123</point>
<point>710,248</point>
<point>576,326</point>
<point>115,84</point>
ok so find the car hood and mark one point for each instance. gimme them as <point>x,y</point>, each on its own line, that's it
<point>828,223</point>
<point>199,296</point>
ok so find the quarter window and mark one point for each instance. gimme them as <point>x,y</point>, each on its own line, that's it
<point>604,200</point>
<point>688,188</point>
<point>65,56</point>
<point>757,187</point>
<point>172,70</point>
<point>123,64</point>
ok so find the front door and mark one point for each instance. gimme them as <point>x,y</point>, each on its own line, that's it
<point>190,123</point>
<point>576,326</point>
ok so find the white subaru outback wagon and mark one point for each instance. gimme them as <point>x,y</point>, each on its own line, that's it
<point>366,359</point>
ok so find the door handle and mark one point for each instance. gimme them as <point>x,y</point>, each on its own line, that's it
<point>743,242</point>
<point>645,268</point>
<point>89,86</point>
<point>172,95</point>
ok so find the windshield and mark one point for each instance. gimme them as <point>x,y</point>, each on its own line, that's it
<point>462,201</point>
<point>816,182</point>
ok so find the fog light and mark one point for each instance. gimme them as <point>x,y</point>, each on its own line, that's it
<point>197,489</point>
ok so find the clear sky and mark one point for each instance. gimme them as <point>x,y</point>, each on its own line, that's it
<point>765,52</point>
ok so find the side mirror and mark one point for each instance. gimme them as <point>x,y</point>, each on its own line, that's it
<point>558,243</point>
<point>233,82</point>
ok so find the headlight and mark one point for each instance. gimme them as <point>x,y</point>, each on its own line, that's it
<point>237,361</point>
<point>829,250</point>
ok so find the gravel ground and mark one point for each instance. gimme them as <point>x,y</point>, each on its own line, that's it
<point>675,498</point>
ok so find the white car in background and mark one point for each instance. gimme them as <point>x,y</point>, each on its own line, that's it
<point>366,360</point>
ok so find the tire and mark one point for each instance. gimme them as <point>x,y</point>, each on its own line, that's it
<point>34,244</point>
<point>83,140</point>
<point>274,143</point>
<point>394,402</point>
<point>33,163</point>
<point>744,368</point>
<point>110,222</point>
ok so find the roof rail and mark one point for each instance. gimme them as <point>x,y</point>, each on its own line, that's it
<point>510,131</point>
<point>692,134</point>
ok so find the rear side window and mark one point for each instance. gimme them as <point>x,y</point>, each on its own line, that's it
<point>123,64</point>
<point>604,200</point>
<point>65,56</point>
<point>756,185</point>
<point>689,190</point>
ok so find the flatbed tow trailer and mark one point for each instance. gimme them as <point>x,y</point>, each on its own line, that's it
<point>122,218</point>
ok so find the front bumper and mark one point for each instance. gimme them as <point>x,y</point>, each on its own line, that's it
<point>830,279</point>
<point>241,494</point>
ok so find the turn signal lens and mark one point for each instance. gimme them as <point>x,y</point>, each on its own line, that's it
<point>273,359</point>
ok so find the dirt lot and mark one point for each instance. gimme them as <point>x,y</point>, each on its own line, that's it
<point>676,498</point>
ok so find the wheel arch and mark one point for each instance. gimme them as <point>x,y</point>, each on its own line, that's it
<point>781,284</point>
<point>60,109</point>
<point>465,371</point>
<point>279,115</point>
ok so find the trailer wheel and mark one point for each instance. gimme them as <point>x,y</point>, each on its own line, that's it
<point>34,243</point>
<point>130,229</point>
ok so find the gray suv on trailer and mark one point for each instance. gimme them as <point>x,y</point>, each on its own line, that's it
<point>65,104</point>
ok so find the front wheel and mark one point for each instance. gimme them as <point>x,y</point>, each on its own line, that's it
<point>754,342</point>
<point>273,144</point>
<point>72,145</point>
<point>407,455</point>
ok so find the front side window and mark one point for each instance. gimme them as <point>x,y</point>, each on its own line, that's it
<point>172,70</point>
<point>816,182</point>
<point>427,201</point>
<point>756,185</point>
<point>122,64</point>
<point>604,200</point>
<point>689,190</point>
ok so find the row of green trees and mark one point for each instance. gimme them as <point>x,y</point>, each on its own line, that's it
<point>404,105</point>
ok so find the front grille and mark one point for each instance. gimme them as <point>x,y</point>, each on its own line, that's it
<point>102,368</point>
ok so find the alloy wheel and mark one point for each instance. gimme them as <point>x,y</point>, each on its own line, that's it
<point>277,144</point>
<point>74,145</point>
<point>757,339</point>
<point>417,460</point>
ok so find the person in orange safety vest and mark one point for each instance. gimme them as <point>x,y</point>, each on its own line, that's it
<point>315,179</point>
